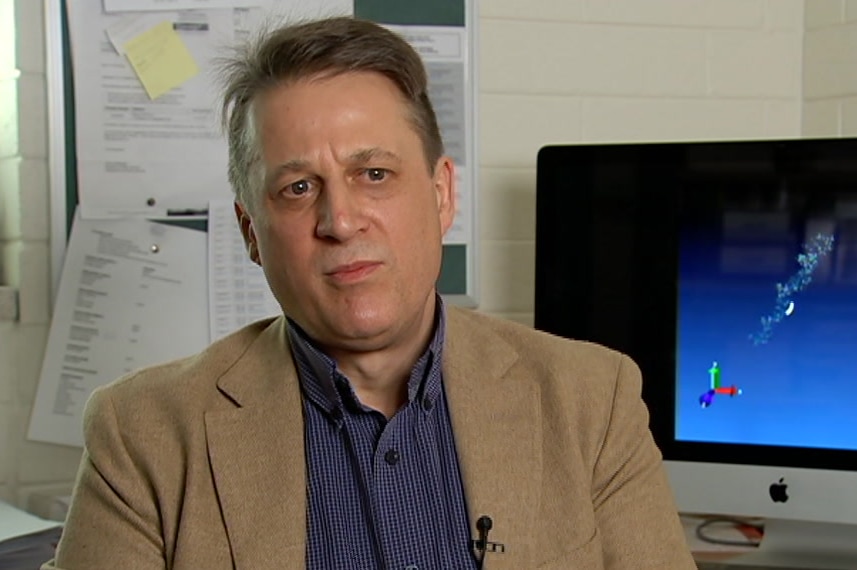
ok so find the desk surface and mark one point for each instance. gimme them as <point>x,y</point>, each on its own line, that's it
<point>710,552</point>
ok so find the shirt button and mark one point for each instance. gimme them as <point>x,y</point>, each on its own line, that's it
<point>427,404</point>
<point>391,457</point>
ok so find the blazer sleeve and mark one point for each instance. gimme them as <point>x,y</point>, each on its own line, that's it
<point>113,521</point>
<point>634,507</point>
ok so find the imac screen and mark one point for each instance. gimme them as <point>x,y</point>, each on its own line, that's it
<point>728,272</point>
<point>767,307</point>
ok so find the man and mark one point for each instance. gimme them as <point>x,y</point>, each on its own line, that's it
<point>371,426</point>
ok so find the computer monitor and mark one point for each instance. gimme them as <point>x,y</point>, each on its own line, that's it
<point>728,272</point>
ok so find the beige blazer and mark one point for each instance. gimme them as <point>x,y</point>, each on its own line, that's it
<point>199,463</point>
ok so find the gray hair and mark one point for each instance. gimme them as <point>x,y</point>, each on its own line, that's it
<point>324,47</point>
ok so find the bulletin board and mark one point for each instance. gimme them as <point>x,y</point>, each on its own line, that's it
<point>135,246</point>
<point>79,177</point>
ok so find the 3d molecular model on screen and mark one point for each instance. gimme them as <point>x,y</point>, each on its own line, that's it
<point>784,306</point>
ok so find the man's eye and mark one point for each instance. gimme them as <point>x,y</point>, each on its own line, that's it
<point>376,174</point>
<point>298,188</point>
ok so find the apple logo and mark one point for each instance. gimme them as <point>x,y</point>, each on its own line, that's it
<point>778,491</point>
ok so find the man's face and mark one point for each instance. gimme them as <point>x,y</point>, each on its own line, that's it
<point>349,223</point>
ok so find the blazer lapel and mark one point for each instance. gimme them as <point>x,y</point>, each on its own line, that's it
<point>496,419</point>
<point>257,456</point>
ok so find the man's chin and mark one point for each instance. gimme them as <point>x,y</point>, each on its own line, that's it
<point>361,336</point>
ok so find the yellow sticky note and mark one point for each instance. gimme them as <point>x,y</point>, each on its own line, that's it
<point>160,59</point>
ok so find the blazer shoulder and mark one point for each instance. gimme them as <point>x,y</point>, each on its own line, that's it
<point>532,345</point>
<point>188,379</point>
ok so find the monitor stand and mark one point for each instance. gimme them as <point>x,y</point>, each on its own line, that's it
<point>805,545</point>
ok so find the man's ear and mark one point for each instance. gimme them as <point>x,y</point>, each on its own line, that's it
<point>246,225</point>
<point>446,192</point>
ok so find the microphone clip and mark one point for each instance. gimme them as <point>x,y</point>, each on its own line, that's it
<point>498,547</point>
<point>482,544</point>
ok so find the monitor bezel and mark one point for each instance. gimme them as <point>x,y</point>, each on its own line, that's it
<point>570,282</point>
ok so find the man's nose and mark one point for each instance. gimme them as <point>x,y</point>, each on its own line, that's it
<point>340,212</point>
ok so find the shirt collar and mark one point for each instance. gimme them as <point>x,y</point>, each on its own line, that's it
<point>328,388</point>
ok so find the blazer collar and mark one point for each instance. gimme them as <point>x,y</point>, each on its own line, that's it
<point>496,419</point>
<point>258,460</point>
<point>257,455</point>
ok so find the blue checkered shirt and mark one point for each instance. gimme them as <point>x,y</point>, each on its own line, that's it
<point>381,493</point>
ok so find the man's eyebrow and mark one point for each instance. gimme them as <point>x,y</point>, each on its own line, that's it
<point>367,155</point>
<point>287,167</point>
<point>362,156</point>
<point>293,165</point>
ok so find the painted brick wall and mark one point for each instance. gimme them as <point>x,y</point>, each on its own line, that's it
<point>24,253</point>
<point>829,64</point>
<point>558,71</point>
<point>550,71</point>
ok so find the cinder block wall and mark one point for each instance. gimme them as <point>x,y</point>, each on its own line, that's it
<point>830,68</point>
<point>550,71</point>
<point>24,252</point>
<point>556,71</point>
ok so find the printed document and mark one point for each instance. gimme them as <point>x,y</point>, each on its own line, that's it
<point>132,293</point>
<point>238,293</point>
<point>137,156</point>
<point>158,153</point>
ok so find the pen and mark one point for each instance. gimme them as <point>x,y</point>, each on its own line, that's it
<point>188,212</point>
<point>190,26</point>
